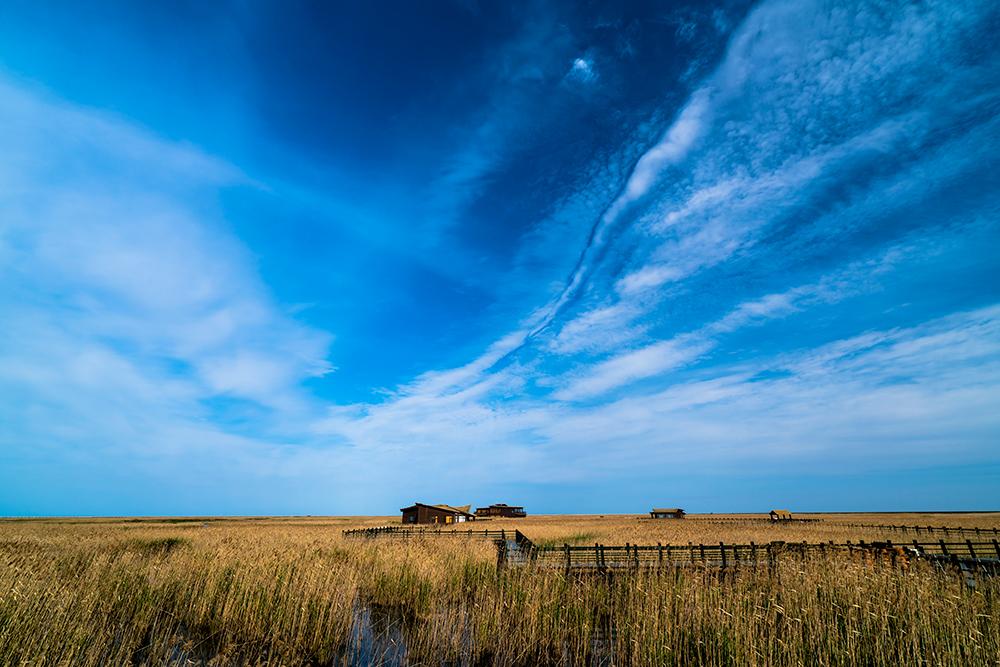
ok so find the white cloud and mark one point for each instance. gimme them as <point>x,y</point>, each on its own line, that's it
<point>582,69</point>
<point>597,329</point>
<point>637,364</point>
<point>804,96</point>
<point>853,402</point>
<point>671,149</point>
<point>125,293</point>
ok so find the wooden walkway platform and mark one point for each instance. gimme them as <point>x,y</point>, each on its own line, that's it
<point>514,548</point>
<point>601,557</point>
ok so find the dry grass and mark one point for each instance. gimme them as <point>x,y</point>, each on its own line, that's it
<point>289,592</point>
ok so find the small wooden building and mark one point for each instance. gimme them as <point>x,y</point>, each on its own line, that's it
<point>780,515</point>
<point>666,513</point>
<point>436,514</point>
<point>502,510</point>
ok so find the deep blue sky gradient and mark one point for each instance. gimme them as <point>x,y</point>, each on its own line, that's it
<point>262,258</point>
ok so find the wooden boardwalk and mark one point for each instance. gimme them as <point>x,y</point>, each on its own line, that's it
<point>984,555</point>
<point>924,530</point>
<point>514,548</point>
<point>414,532</point>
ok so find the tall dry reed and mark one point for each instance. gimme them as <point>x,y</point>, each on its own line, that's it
<point>290,592</point>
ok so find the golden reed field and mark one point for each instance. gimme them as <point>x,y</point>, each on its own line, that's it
<point>295,591</point>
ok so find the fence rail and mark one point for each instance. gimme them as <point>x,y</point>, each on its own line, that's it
<point>603,557</point>
<point>513,547</point>
<point>407,532</point>
<point>924,530</point>
<point>747,520</point>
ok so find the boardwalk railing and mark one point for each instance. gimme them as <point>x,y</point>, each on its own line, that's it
<point>601,557</point>
<point>747,520</point>
<point>514,548</point>
<point>923,530</point>
<point>505,536</point>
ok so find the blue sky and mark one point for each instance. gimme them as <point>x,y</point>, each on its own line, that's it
<point>269,258</point>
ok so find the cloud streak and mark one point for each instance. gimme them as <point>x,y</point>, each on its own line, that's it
<point>754,160</point>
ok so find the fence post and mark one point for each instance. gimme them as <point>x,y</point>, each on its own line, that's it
<point>566,548</point>
<point>635,552</point>
<point>944,547</point>
<point>972,552</point>
<point>659,554</point>
<point>597,556</point>
<point>722,549</point>
<point>996,547</point>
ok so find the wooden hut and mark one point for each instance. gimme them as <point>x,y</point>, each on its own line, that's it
<point>780,515</point>
<point>502,510</point>
<point>666,513</point>
<point>436,514</point>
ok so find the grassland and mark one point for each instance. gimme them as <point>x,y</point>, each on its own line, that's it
<point>294,591</point>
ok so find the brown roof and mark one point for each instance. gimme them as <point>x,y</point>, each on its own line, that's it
<point>460,509</point>
<point>464,509</point>
<point>667,510</point>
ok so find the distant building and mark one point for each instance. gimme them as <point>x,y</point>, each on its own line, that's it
<point>666,513</point>
<point>780,515</point>
<point>502,510</point>
<point>436,514</point>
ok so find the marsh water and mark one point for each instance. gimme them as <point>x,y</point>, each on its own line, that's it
<point>379,637</point>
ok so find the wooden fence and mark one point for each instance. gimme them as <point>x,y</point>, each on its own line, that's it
<point>747,520</point>
<point>514,548</point>
<point>407,532</point>
<point>924,530</point>
<point>601,557</point>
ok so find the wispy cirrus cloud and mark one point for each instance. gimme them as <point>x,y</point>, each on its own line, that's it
<point>127,301</point>
<point>783,139</point>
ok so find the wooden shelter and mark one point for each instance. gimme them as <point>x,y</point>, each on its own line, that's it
<point>502,510</point>
<point>666,513</point>
<point>436,514</point>
<point>780,515</point>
